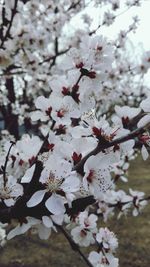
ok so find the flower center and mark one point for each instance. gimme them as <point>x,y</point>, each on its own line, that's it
<point>53,183</point>
<point>61,113</point>
<point>91,176</point>
<point>83,233</point>
<point>5,193</point>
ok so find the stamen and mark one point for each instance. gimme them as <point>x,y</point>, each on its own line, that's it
<point>53,183</point>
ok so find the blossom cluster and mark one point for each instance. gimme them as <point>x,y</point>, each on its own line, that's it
<point>86,120</point>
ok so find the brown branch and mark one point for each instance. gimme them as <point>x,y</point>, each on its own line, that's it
<point>104,145</point>
<point>74,5</point>
<point>73,245</point>
<point>10,74</point>
<point>5,165</point>
<point>120,204</point>
<point>55,56</point>
<point>10,24</point>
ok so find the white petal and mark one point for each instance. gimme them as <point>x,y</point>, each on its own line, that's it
<point>47,221</point>
<point>17,190</point>
<point>28,175</point>
<point>114,262</point>
<point>144,121</point>
<point>145,104</point>
<point>94,257</point>
<point>127,146</point>
<point>55,204</point>
<point>41,103</point>
<point>144,153</point>
<point>36,198</point>
<point>58,218</point>
<point>9,202</point>
<point>13,233</point>
<point>71,184</point>
<point>38,115</point>
<point>11,181</point>
<point>127,111</point>
<point>18,230</point>
<point>135,212</point>
<point>100,161</point>
<point>44,232</point>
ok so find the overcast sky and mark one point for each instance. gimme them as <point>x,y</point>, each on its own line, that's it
<point>142,35</point>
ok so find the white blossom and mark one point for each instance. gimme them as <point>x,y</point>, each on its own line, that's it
<point>100,260</point>
<point>10,191</point>
<point>60,182</point>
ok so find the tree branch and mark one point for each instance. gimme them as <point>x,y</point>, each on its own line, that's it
<point>104,145</point>
<point>10,24</point>
<point>73,245</point>
<point>5,165</point>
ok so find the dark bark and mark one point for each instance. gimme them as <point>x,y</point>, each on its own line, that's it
<point>10,119</point>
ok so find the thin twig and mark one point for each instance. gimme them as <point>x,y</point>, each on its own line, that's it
<point>55,56</point>
<point>73,245</point>
<point>127,202</point>
<point>5,165</point>
<point>73,5</point>
<point>12,73</point>
<point>100,147</point>
<point>103,24</point>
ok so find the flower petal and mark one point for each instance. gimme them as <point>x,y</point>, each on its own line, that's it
<point>47,221</point>
<point>55,204</point>
<point>44,232</point>
<point>36,198</point>
<point>144,121</point>
<point>28,175</point>
<point>144,153</point>
<point>71,184</point>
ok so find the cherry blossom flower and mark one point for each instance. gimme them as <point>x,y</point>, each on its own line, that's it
<point>138,201</point>
<point>101,260</point>
<point>145,62</point>
<point>41,227</point>
<point>84,233</point>
<point>10,191</point>
<point>87,221</point>
<point>107,239</point>
<point>124,148</point>
<point>108,18</point>
<point>28,147</point>
<point>65,109</point>
<point>44,106</point>
<point>125,114</point>
<point>83,236</point>
<point>94,55</point>
<point>115,197</point>
<point>60,182</point>
<point>104,210</point>
<point>120,171</point>
<point>97,178</point>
